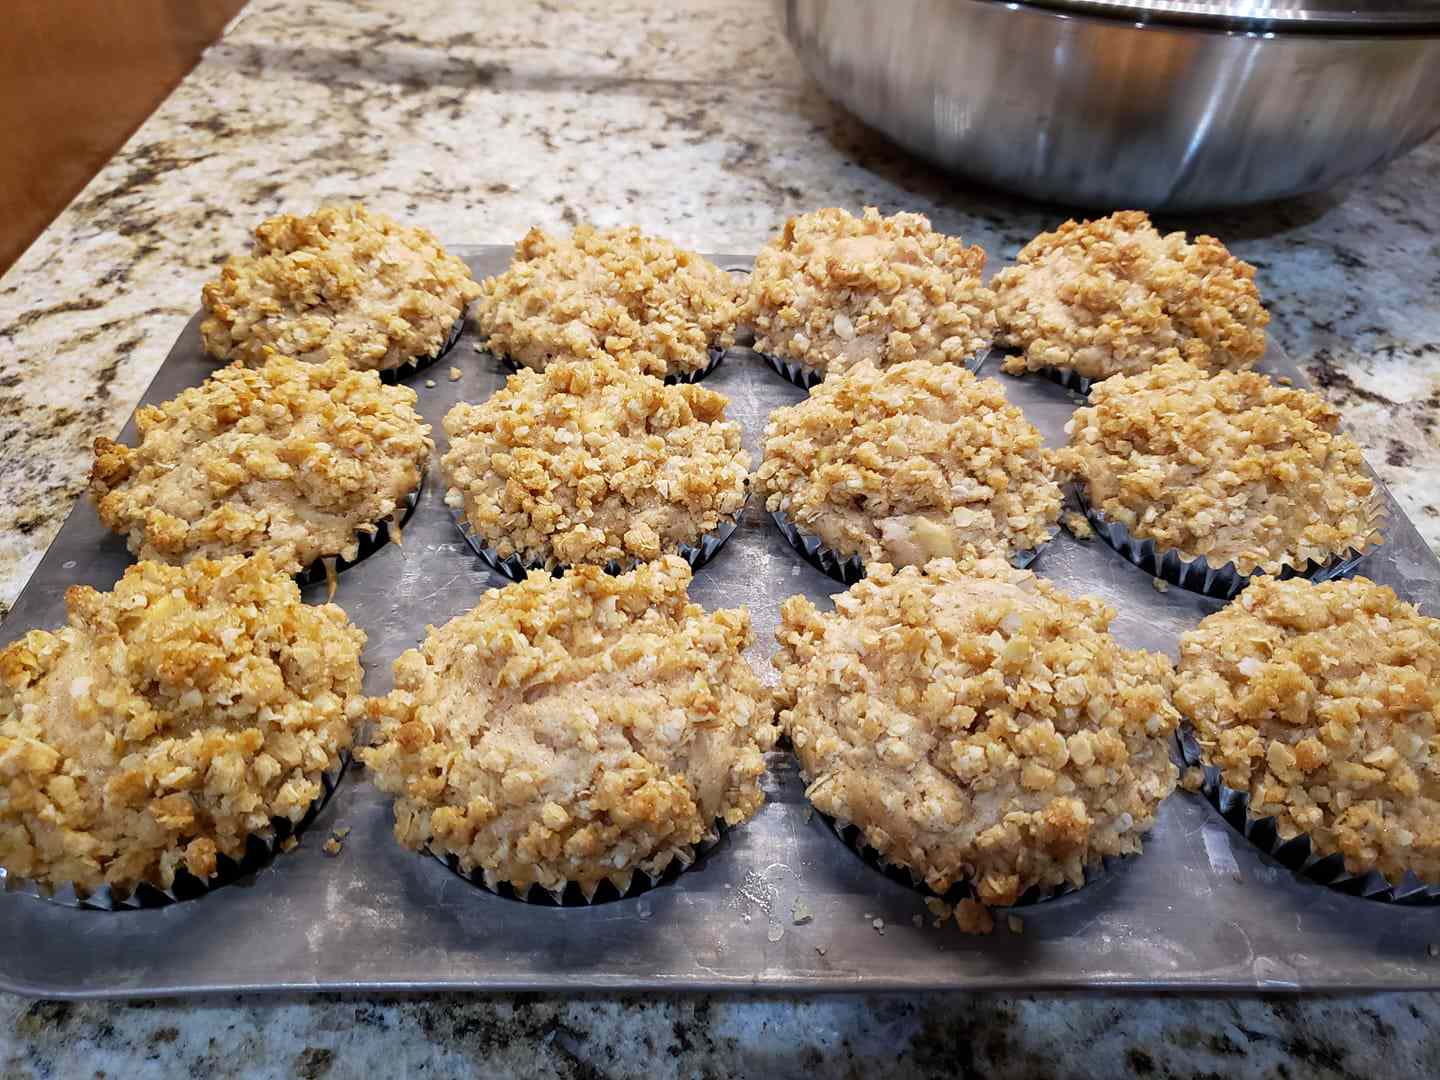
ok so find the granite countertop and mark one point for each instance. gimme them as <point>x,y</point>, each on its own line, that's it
<point>692,120</point>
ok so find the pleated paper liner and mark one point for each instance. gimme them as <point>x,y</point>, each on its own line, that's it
<point>1197,575</point>
<point>391,376</point>
<point>716,356</point>
<point>848,569</point>
<point>326,568</point>
<point>260,851</point>
<point>515,568</point>
<point>807,378</point>
<point>1297,854</point>
<point>854,838</point>
<point>632,883</point>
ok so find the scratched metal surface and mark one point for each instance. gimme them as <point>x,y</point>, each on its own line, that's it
<point>1200,910</point>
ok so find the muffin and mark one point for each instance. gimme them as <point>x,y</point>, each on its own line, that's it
<point>1229,466</point>
<point>653,307</point>
<point>976,725</point>
<point>168,722</point>
<point>586,462</point>
<point>300,461</point>
<point>343,283</point>
<point>1113,296</point>
<point>574,730</point>
<point>832,290</point>
<point>1322,702</point>
<point>910,463</point>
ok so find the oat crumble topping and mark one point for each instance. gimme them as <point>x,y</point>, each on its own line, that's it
<point>574,729</point>
<point>910,463</point>
<point>1110,296</point>
<point>976,724</point>
<point>294,459</point>
<point>1226,465</point>
<point>833,289</point>
<point>651,305</point>
<point>344,282</point>
<point>168,721</point>
<point>586,462</point>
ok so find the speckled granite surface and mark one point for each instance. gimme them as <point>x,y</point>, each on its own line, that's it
<point>688,118</point>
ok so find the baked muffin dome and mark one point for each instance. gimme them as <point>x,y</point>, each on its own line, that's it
<point>832,290</point>
<point>1323,702</point>
<point>574,729</point>
<point>168,721</point>
<point>652,306</point>
<point>909,463</point>
<point>586,462</point>
<point>344,282</point>
<point>1229,466</point>
<point>297,460</point>
<point>976,724</point>
<point>1110,296</point>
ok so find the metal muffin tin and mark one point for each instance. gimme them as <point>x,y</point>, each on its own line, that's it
<point>1201,909</point>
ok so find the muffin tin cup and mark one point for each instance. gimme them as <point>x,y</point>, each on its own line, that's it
<point>717,356</point>
<point>853,837</point>
<point>515,568</point>
<point>637,883</point>
<point>260,850</point>
<point>807,378</point>
<point>1298,854</point>
<point>407,368</point>
<point>319,571</point>
<point>848,569</point>
<point>1196,574</point>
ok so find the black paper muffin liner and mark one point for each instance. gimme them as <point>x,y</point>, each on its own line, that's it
<point>807,378</point>
<point>391,376</point>
<point>604,892</point>
<point>1197,575</point>
<point>324,569</point>
<point>260,850</point>
<point>515,568</point>
<point>1297,854</point>
<point>716,354</point>
<point>848,569</point>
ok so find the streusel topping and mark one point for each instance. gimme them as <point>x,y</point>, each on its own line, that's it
<point>832,290</point>
<point>910,463</point>
<point>1323,702</point>
<point>586,462</point>
<point>1109,296</point>
<point>1230,466</point>
<point>651,305</point>
<point>168,721</point>
<point>344,282</point>
<point>574,729</point>
<point>976,724</point>
<point>294,459</point>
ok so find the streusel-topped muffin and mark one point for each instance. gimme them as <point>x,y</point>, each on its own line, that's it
<point>586,462</point>
<point>574,729</point>
<point>1323,702</point>
<point>832,290</point>
<point>297,460</point>
<point>910,463</point>
<point>654,307</point>
<point>1110,296</point>
<point>342,283</point>
<point>976,724</point>
<point>168,721</point>
<point>1229,465</point>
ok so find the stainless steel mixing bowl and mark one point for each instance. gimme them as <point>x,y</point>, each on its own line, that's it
<point>1160,104</point>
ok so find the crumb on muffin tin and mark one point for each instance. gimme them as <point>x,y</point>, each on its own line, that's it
<point>833,289</point>
<point>291,458</point>
<point>170,720</point>
<point>1228,466</point>
<point>909,463</point>
<point>976,724</point>
<point>651,305</point>
<point>586,462</point>
<point>1110,296</point>
<point>1321,701</point>
<point>574,730</point>
<point>344,282</point>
